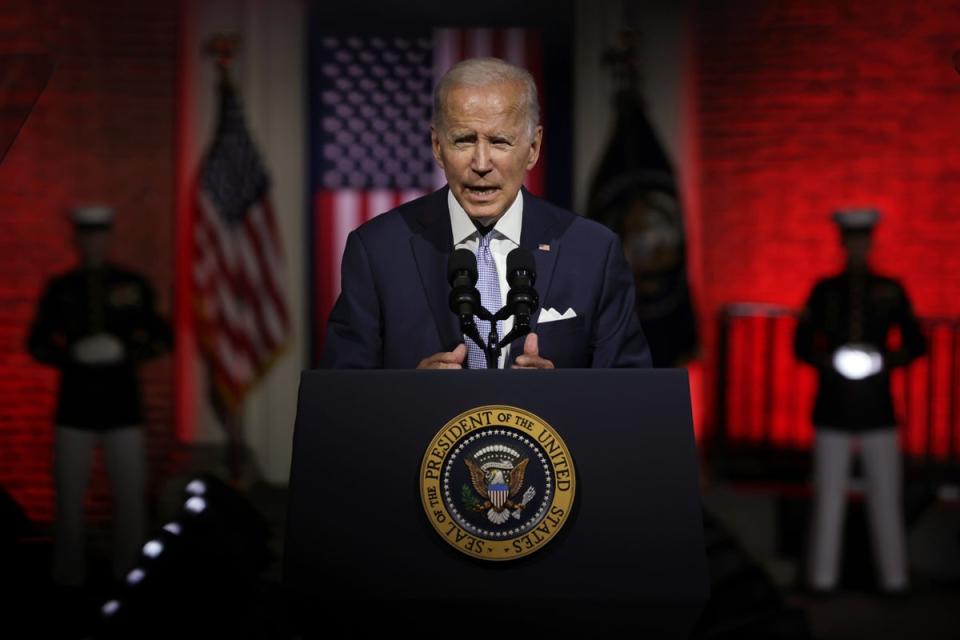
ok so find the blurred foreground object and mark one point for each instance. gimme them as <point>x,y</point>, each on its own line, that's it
<point>200,575</point>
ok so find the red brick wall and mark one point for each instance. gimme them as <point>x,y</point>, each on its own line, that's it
<point>805,107</point>
<point>102,131</point>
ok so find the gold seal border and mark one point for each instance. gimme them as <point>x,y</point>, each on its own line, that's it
<point>492,417</point>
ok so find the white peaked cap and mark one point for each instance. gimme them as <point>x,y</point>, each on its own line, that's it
<point>856,219</point>
<point>93,215</point>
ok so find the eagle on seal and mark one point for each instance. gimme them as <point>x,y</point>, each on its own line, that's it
<point>497,486</point>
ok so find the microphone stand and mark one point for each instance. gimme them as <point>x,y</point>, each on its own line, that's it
<point>492,350</point>
<point>521,303</point>
<point>521,325</point>
<point>491,347</point>
<point>494,344</point>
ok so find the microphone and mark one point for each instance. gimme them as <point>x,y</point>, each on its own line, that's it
<point>521,276</point>
<point>462,276</point>
<point>464,298</point>
<point>522,300</point>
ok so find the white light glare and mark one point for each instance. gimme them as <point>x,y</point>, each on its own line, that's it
<point>949,493</point>
<point>153,548</point>
<point>197,487</point>
<point>196,504</point>
<point>135,576</point>
<point>110,607</point>
<point>857,362</point>
<point>173,527</point>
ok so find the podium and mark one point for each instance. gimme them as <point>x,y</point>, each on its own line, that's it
<point>361,553</point>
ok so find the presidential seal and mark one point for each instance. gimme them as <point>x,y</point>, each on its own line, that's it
<point>497,482</point>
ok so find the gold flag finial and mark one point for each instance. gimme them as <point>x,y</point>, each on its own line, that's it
<point>623,60</point>
<point>222,47</point>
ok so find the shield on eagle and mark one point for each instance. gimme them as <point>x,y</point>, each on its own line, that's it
<point>498,495</point>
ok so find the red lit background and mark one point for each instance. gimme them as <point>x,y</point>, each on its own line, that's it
<point>102,131</point>
<point>805,108</point>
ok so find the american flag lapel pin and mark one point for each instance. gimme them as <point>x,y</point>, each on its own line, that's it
<point>544,247</point>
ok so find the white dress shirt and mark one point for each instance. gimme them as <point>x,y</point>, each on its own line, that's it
<point>505,238</point>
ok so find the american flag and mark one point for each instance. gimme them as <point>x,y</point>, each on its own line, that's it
<point>371,105</point>
<point>238,269</point>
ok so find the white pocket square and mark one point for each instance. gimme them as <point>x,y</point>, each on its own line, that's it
<point>552,315</point>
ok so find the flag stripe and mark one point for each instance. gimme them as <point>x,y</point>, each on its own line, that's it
<point>326,271</point>
<point>515,47</point>
<point>446,53</point>
<point>346,217</point>
<point>379,201</point>
<point>498,43</point>
<point>410,194</point>
<point>268,266</point>
<point>237,325</point>
<point>480,43</point>
<point>214,243</point>
<point>232,335</point>
<point>534,63</point>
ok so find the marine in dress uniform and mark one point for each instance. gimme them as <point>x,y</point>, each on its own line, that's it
<point>846,331</point>
<point>95,324</point>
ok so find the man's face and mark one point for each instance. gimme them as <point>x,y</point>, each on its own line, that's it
<point>857,246</point>
<point>485,147</point>
<point>92,246</point>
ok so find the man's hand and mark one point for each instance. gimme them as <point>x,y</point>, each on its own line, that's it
<point>530,358</point>
<point>445,359</point>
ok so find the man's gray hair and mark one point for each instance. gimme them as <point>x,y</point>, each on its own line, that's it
<point>484,72</point>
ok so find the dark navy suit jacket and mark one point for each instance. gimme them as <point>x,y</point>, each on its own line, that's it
<point>393,311</point>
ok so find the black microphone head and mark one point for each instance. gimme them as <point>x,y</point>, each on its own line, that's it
<point>462,260</point>
<point>521,259</point>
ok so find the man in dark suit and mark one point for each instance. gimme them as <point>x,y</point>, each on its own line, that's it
<point>393,307</point>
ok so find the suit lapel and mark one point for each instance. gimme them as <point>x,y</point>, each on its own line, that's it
<point>431,247</point>
<point>537,236</point>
